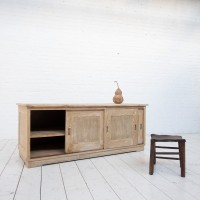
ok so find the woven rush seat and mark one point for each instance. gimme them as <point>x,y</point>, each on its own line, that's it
<point>167,138</point>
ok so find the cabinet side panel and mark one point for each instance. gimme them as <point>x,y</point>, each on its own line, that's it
<point>141,126</point>
<point>144,118</point>
<point>23,132</point>
<point>135,127</point>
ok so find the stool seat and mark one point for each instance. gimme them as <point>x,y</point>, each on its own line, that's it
<point>167,138</point>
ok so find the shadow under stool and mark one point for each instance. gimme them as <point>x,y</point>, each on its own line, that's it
<point>164,139</point>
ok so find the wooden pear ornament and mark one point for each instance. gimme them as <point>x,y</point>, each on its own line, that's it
<point>118,98</point>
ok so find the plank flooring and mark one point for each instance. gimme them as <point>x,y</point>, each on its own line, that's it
<point>122,176</point>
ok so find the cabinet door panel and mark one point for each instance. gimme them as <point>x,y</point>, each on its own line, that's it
<point>120,128</point>
<point>85,131</point>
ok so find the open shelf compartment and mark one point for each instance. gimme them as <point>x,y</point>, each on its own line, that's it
<point>48,146</point>
<point>47,133</point>
<point>47,123</point>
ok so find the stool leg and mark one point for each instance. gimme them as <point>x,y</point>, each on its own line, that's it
<point>152,157</point>
<point>180,156</point>
<point>182,149</point>
<point>154,154</point>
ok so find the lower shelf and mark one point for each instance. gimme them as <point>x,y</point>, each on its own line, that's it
<point>48,146</point>
<point>49,152</point>
<point>51,133</point>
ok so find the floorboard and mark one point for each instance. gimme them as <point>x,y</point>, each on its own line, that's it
<point>142,185</point>
<point>75,185</point>
<point>3,144</point>
<point>6,153</point>
<point>10,177</point>
<point>98,186</point>
<point>123,176</point>
<point>124,189</point>
<point>141,166</point>
<point>29,184</point>
<point>52,186</point>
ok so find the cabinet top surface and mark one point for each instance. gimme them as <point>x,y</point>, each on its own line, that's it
<point>78,105</point>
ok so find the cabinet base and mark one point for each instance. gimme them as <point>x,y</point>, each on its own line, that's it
<point>78,156</point>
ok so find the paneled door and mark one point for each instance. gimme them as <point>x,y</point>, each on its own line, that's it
<point>84,131</point>
<point>121,128</point>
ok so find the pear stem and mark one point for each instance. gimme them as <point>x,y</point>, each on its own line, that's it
<point>117,83</point>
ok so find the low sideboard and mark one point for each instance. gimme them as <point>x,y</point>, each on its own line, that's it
<point>53,133</point>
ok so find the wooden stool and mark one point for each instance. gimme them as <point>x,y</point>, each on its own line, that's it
<point>167,138</point>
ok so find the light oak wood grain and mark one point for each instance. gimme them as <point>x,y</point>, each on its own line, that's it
<point>45,153</point>
<point>88,130</point>
<point>121,127</point>
<point>24,131</point>
<point>140,126</point>
<point>50,133</point>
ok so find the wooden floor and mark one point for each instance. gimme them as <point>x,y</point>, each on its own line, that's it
<point>123,176</point>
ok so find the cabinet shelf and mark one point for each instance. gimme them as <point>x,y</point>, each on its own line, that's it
<point>47,146</point>
<point>51,133</point>
<point>48,152</point>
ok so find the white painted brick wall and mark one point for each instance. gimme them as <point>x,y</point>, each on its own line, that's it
<point>66,51</point>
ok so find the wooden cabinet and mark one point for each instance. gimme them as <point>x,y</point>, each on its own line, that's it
<point>59,133</point>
